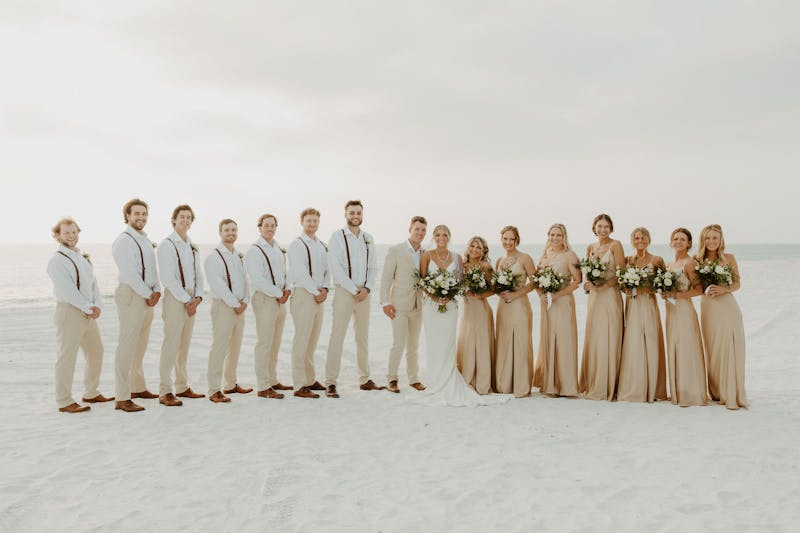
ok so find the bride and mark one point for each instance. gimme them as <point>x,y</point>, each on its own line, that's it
<point>445,386</point>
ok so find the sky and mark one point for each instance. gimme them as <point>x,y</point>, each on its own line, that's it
<point>472,114</point>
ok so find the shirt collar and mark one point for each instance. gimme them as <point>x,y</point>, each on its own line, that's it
<point>66,250</point>
<point>361,234</point>
<point>411,247</point>
<point>308,239</point>
<point>221,248</point>
<point>136,233</point>
<point>263,242</point>
<point>177,238</point>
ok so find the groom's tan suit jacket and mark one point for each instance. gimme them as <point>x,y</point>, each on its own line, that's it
<point>399,280</point>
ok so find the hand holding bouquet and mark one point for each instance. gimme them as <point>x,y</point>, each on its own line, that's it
<point>441,287</point>
<point>475,280</point>
<point>666,282</point>
<point>593,270</point>
<point>632,278</point>
<point>714,273</point>
<point>549,281</point>
<point>504,280</point>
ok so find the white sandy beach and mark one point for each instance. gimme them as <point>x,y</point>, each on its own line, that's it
<point>373,462</point>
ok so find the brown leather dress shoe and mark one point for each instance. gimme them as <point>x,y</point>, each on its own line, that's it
<point>370,385</point>
<point>316,386</point>
<point>393,387</point>
<point>218,397</point>
<point>418,386</point>
<point>128,406</point>
<point>74,408</point>
<point>270,393</point>
<point>330,392</point>
<point>169,400</point>
<point>98,399</point>
<point>238,390</point>
<point>145,394</point>
<point>305,392</point>
<point>189,393</point>
<point>281,386</point>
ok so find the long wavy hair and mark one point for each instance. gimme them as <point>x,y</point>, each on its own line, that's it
<point>701,247</point>
<point>563,229</point>
<point>482,243</point>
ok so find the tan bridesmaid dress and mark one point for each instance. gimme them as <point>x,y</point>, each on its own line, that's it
<point>556,371</point>
<point>602,343</point>
<point>687,366</point>
<point>476,344</point>
<point>643,364</point>
<point>723,336</point>
<point>514,365</point>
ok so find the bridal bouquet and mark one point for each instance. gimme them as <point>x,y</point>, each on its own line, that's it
<point>632,278</point>
<point>665,282</point>
<point>714,273</point>
<point>441,285</point>
<point>475,280</point>
<point>549,281</point>
<point>593,270</point>
<point>504,279</point>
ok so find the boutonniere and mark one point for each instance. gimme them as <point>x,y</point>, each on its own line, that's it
<point>283,250</point>
<point>367,241</point>
<point>324,246</point>
<point>154,245</point>
<point>241,256</point>
<point>87,256</point>
<point>194,248</point>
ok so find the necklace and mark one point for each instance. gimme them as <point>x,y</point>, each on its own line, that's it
<point>636,260</point>
<point>438,257</point>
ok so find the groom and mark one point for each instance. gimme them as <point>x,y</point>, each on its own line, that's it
<point>402,302</point>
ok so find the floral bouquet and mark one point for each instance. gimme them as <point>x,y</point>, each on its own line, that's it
<point>665,282</point>
<point>441,285</point>
<point>593,270</point>
<point>632,278</point>
<point>714,273</point>
<point>475,280</point>
<point>549,281</point>
<point>505,280</point>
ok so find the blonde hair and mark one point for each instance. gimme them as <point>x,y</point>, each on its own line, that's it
<point>685,232</point>
<point>563,229</point>
<point>308,211</point>
<point>442,227</point>
<point>482,243</point>
<point>644,232</point>
<point>56,229</point>
<point>512,229</point>
<point>701,248</point>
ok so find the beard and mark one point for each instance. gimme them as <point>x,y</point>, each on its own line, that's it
<point>354,222</point>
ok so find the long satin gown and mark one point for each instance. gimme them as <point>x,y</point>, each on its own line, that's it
<point>556,372</point>
<point>687,366</point>
<point>476,344</point>
<point>723,336</point>
<point>514,365</point>
<point>445,386</point>
<point>602,343</point>
<point>643,364</point>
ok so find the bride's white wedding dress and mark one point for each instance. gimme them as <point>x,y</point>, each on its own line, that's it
<point>445,385</point>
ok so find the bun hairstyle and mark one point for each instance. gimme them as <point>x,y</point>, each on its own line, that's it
<point>646,234</point>
<point>701,248</point>
<point>512,229</point>
<point>598,218</point>
<point>685,232</point>
<point>482,243</point>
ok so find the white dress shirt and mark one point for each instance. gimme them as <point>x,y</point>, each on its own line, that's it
<point>65,280</point>
<point>363,269</point>
<point>129,262</point>
<point>217,277</point>
<point>259,270</point>
<point>171,274</point>
<point>299,276</point>
<point>415,254</point>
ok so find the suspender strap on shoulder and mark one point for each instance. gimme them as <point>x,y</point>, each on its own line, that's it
<point>308,251</point>
<point>77,272</point>
<point>141,254</point>
<point>347,249</point>
<point>180,265</point>
<point>227,272</point>
<point>269,263</point>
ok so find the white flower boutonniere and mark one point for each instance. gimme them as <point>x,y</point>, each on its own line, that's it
<point>194,248</point>
<point>154,245</point>
<point>87,256</point>
<point>241,255</point>
<point>324,246</point>
<point>283,250</point>
<point>367,242</point>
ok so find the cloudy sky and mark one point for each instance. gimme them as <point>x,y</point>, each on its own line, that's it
<point>474,114</point>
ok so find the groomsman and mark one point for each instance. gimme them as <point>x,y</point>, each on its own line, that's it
<point>308,272</point>
<point>266,266</point>
<point>230,296</point>
<point>136,296</point>
<point>353,266</point>
<point>402,302</point>
<point>77,309</point>
<point>183,281</point>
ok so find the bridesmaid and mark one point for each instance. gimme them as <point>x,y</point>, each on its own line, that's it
<point>476,331</point>
<point>514,367</point>
<point>602,342</point>
<point>556,371</point>
<point>642,370</point>
<point>687,366</point>
<point>722,326</point>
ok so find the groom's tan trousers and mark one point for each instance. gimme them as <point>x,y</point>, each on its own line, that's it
<point>75,330</point>
<point>135,319</point>
<point>406,326</point>
<point>345,307</point>
<point>227,330</point>
<point>178,327</point>
<point>307,316</point>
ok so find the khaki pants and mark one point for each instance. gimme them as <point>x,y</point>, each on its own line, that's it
<point>178,326</point>
<point>307,317</point>
<point>344,308</point>
<point>406,326</point>
<point>270,318</point>
<point>75,330</point>
<point>135,319</point>
<point>227,329</point>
